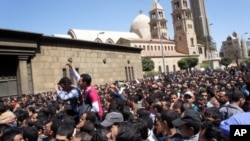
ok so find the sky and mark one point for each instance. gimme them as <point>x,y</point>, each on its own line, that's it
<point>58,16</point>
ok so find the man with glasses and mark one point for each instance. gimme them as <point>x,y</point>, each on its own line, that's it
<point>189,97</point>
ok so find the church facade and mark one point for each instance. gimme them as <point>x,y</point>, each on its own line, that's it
<point>34,62</point>
<point>150,33</point>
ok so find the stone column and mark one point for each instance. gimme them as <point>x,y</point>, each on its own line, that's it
<point>23,75</point>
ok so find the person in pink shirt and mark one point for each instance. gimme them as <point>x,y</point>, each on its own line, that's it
<point>89,93</point>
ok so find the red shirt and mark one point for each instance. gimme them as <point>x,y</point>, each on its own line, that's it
<point>95,101</point>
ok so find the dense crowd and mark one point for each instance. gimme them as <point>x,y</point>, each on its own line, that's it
<point>180,106</point>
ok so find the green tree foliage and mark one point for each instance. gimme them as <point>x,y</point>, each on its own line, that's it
<point>188,63</point>
<point>147,64</point>
<point>203,40</point>
<point>226,61</point>
<point>192,61</point>
<point>183,65</point>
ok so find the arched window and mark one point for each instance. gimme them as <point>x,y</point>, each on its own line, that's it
<point>109,41</point>
<point>98,40</point>
<point>160,69</point>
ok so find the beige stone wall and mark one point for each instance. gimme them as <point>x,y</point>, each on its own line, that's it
<point>47,67</point>
<point>170,62</point>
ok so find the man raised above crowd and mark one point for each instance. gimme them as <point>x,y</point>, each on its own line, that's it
<point>89,92</point>
<point>67,92</point>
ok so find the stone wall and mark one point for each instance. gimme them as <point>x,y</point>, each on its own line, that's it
<point>47,66</point>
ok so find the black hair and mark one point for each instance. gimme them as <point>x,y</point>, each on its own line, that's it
<point>158,107</point>
<point>212,131</point>
<point>142,112</point>
<point>100,135</point>
<point>236,95</point>
<point>10,134</point>
<point>65,130</point>
<point>21,115</point>
<point>88,127</point>
<point>65,81</point>
<point>91,116</point>
<point>126,133</point>
<point>214,113</point>
<point>169,116</point>
<point>86,78</point>
<point>30,133</point>
<point>55,124</point>
<point>196,127</point>
<point>134,98</point>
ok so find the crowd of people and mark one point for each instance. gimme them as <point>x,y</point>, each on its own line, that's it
<point>179,106</point>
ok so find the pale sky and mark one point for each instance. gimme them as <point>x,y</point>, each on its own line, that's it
<point>58,16</point>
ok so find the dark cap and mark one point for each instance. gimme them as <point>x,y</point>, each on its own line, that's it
<point>112,118</point>
<point>188,116</point>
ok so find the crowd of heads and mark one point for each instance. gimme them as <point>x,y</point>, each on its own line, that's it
<point>180,105</point>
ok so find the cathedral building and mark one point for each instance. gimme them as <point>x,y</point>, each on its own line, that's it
<point>33,62</point>
<point>150,33</point>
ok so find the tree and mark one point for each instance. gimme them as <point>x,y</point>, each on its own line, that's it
<point>188,63</point>
<point>203,40</point>
<point>208,43</point>
<point>182,64</point>
<point>192,61</point>
<point>147,64</point>
<point>226,61</point>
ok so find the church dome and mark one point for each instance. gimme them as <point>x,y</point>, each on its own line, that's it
<point>140,26</point>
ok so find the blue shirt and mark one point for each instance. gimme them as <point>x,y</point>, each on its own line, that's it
<point>64,95</point>
<point>238,119</point>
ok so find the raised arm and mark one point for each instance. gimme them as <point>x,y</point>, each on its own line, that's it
<point>73,71</point>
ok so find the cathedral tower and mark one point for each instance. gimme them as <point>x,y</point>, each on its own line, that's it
<point>184,31</point>
<point>200,18</point>
<point>158,22</point>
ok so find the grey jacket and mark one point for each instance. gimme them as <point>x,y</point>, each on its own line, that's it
<point>230,110</point>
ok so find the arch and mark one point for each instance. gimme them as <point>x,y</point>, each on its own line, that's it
<point>109,41</point>
<point>174,68</point>
<point>98,40</point>
<point>160,69</point>
<point>229,38</point>
<point>72,34</point>
<point>167,68</point>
